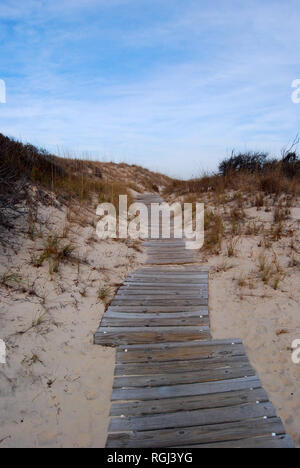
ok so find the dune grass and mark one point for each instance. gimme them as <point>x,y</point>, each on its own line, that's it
<point>247,173</point>
<point>23,166</point>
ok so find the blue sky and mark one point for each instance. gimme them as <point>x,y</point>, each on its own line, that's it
<point>169,84</point>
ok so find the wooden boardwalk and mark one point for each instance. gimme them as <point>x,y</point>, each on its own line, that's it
<point>174,386</point>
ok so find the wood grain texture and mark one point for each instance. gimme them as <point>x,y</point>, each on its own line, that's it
<point>186,377</point>
<point>194,418</point>
<point>197,402</point>
<point>171,367</point>
<point>192,435</point>
<point>118,335</point>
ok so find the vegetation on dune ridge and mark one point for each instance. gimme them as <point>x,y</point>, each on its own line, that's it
<point>23,166</point>
<point>251,174</point>
<point>248,172</point>
<point>66,177</point>
<point>69,177</point>
<point>244,185</point>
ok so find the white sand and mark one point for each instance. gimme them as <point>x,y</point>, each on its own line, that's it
<point>267,320</point>
<point>56,386</point>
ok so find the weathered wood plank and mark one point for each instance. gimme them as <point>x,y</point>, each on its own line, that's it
<point>118,319</point>
<point>154,322</point>
<point>176,242</point>
<point>131,335</point>
<point>200,344</point>
<point>163,242</point>
<point>183,378</point>
<point>275,442</point>
<point>172,367</point>
<point>172,282</point>
<point>179,275</point>
<point>162,287</point>
<point>171,252</point>
<point>192,435</point>
<point>150,289</point>
<point>158,315</point>
<point>176,271</point>
<point>197,402</point>
<point>157,309</point>
<point>188,270</point>
<point>190,300</point>
<point>162,293</point>
<point>168,262</point>
<point>174,253</point>
<point>172,391</point>
<point>201,417</point>
<point>196,268</point>
<point>168,283</point>
<point>183,254</point>
<point>159,296</point>
<point>174,256</point>
<point>165,270</point>
<point>178,353</point>
<point>172,271</point>
<point>168,252</point>
<point>182,294</point>
<point>171,301</point>
<point>168,279</point>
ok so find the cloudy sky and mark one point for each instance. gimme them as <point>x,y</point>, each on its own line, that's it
<point>170,84</point>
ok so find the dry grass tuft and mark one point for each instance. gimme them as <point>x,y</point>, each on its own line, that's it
<point>281,214</point>
<point>270,271</point>
<point>231,247</point>
<point>55,252</point>
<point>103,293</point>
<point>214,231</point>
<point>7,278</point>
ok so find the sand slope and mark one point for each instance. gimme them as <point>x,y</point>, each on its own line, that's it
<point>55,388</point>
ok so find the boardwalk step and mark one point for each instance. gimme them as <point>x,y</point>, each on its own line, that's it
<point>238,371</point>
<point>170,301</point>
<point>194,418</point>
<point>153,294</point>
<point>276,442</point>
<point>184,390</point>
<point>194,365</point>
<point>122,335</point>
<point>114,319</point>
<point>154,309</point>
<point>190,403</point>
<point>164,286</point>
<point>211,433</point>
<point>179,351</point>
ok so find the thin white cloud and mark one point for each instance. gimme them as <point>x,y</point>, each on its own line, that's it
<point>228,84</point>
